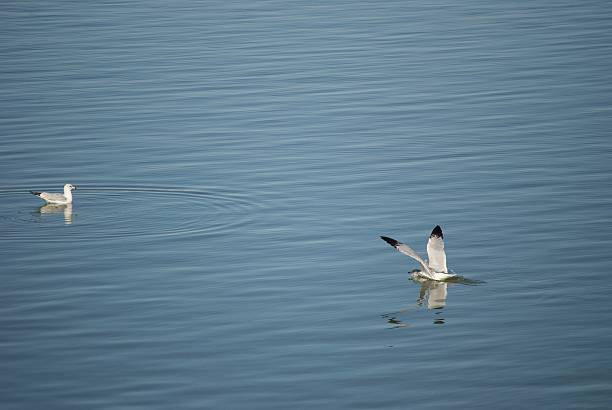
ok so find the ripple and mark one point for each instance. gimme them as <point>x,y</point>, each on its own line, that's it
<point>110,212</point>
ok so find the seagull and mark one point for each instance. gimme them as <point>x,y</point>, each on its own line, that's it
<point>435,268</point>
<point>59,199</point>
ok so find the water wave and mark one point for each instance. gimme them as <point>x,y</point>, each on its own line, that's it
<point>107,212</point>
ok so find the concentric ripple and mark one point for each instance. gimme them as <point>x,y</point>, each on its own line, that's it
<point>108,212</point>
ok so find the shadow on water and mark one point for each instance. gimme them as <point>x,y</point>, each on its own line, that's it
<point>432,297</point>
<point>460,280</point>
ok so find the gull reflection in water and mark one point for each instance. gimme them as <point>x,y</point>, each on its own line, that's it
<point>432,299</point>
<point>56,209</point>
<point>432,296</point>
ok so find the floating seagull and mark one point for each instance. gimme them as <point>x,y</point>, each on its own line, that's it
<point>435,268</point>
<point>57,198</point>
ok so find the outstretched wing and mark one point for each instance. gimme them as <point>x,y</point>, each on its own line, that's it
<point>407,250</point>
<point>435,251</point>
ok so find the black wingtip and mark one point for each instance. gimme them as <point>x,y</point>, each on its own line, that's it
<point>390,241</point>
<point>35,193</point>
<point>437,232</point>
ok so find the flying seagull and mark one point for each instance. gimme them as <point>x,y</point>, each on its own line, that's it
<point>435,268</point>
<point>59,199</point>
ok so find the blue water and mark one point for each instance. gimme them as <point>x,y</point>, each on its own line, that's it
<point>236,163</point>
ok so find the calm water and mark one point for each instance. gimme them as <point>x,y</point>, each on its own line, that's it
<point>236,163</point>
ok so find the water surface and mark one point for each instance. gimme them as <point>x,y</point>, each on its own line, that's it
<point>236,164</point>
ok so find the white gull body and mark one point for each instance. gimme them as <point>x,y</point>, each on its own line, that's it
<point>435,267</point>
<point>60,199</point>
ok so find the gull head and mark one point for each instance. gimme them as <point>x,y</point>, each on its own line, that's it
<point>69,187</point>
